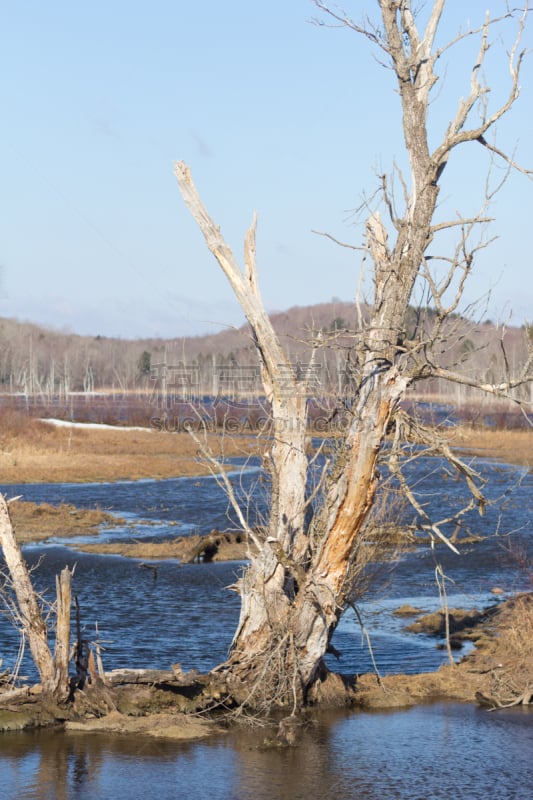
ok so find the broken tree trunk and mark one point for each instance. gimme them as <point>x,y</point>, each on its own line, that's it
<point>300,581</point>
<point>53,670</point>
<point>60,686</point>
<point>30,615</point>
<point>282,657</point>
<point>294,593</point>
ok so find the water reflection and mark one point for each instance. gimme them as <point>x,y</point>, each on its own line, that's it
<point>437,751</point>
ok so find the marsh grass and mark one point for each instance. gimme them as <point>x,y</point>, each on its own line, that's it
<point>510,446</point>
<point>33,451</point>
<point>39,521</point>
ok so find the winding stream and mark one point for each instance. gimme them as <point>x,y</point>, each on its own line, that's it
<point>185,614</point>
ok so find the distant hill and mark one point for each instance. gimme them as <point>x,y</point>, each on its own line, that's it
<point>37,360</point>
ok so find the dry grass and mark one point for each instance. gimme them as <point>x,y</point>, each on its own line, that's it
<point>498,672</point>
<point>32,451</point>
<point>513,447</point>
<point>217,546</point>
<point>35,452</point>
<point>506,653</point>
<point>35,522</point>
<point>517,633</point>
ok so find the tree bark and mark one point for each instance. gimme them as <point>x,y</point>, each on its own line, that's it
<point>298,585</point>
<point>53,670</point>
<point>30,615</point>
<point>60,686</point>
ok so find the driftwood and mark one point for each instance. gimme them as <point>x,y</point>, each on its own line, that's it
<point>154,677</point>
<point>495,703</point>
<point>62,646</point>
<point>29,612</point>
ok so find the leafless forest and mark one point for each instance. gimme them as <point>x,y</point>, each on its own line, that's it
<point>111,380</point>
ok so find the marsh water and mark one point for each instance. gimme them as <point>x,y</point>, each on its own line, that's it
<point>184,613</point>
<point>437,751</point>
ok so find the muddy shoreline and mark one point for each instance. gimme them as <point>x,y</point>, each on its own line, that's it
<point>179,705</point>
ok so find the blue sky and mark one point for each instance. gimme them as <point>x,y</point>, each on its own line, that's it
<point>271,112</point>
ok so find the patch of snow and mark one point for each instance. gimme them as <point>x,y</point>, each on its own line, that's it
<point>63,423</point>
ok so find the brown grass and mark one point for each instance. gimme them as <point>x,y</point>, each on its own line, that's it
<point>498,672</point>
<point>37,452</point>
<point>512,447</point>
<point>32,451</point>
<point>216,546</point>
<point>506,652</point>
<point>35,522</point>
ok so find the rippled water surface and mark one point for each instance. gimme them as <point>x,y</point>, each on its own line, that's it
<point>438,751</point>
<point>184,613</point>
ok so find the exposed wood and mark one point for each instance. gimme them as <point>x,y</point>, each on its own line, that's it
<point>53,670</point>
<point>29,611</point>
<point>152,677</point>
<point>299,583</point>
<point>62,646</point>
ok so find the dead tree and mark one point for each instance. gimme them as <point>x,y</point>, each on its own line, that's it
<point>299,583</point>
<point>52,669</point>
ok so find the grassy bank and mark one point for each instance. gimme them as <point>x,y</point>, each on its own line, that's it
<point>496,674</point>
<point>216,546</point>
<point>32,451</point>
<point>511,447</point>
<point>34,522</point>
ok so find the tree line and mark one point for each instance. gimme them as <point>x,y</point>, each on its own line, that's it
<point>36,361</point>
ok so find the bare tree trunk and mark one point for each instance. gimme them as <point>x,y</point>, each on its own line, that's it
<point>60,686</point>
<point>294,592</point>
<point>299,584</point>
<point>284,635</point>
<point>53,671</point>
<point>31,616</point>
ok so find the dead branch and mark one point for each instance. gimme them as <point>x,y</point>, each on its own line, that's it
<point>29,610</point>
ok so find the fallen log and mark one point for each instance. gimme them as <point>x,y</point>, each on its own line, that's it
<point>496,703</point>
<point>151,677</point>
